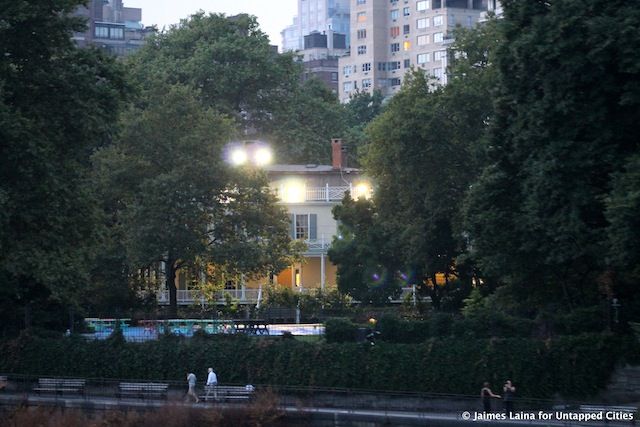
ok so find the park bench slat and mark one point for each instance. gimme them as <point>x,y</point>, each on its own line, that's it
<point>143,390</point>
<point>227,393</point>
<point>60,385</point>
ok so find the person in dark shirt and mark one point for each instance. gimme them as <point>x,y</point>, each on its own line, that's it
<point>509,392</point>
<point>486,394</point>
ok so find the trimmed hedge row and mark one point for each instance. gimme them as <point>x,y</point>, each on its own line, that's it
<point>571,366</point>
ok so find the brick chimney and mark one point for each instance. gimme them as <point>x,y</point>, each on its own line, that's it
<point>336,153</point>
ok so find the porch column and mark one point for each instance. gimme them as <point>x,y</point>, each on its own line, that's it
<point>322,272</point>
<point>243,296</point>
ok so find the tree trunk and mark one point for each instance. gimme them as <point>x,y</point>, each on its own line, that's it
<point>170,267</point>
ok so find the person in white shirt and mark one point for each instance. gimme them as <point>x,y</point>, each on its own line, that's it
<point>212,382</point>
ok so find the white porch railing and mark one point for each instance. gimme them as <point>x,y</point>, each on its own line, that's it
<point>324,194</point>
<point>248,296</point>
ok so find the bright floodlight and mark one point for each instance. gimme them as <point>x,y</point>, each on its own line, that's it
<point>238,157</point>
<point>362,190</point>
<point>293,192</point>
<point>262,156</point>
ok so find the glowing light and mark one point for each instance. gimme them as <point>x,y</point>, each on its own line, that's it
<point>239,157</point>
<point>293,192</point>
<point>262,156</point>
<point>362,189</point>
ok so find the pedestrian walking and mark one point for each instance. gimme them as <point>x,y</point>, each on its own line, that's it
<point>486,394</point>
<point>212,382</point>
<point>191,381</point>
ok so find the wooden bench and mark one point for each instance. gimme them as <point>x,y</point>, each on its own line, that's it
<point>60,385</point>
<point>234,393</point>
<point>143,390</point>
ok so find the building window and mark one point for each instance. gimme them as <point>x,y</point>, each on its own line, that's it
<point>393,65</point>
<point>362,49</point>
<point>346,70</point>
<point>422,23</point>
<point>438,37</point>
<point>406,29</point>
<point>382,66</point>
<point>406,11</point>
<point>361,34</point>
<point>423,40</point>
<point>302,226</point>
<point>438,20</point>
<point>395,47</point>
<point>407,63</point>
<point>395,31</point>
<point>394,14</point>
<point>406,45</point>
<point>437,72</point>
<point>361,17</point>
<point>334,77</point>
<point>366,66</point>
<point>347,86</point>
<point>452,20</point>
<point>439,55</point>
<point>423,58</point>
<point>361,2</point>
<point>395,82</point>
<point>469,21</point>
<point>116,33</point>
<point>366,83</point>
<point>423,5</point>
<point>102,32</point>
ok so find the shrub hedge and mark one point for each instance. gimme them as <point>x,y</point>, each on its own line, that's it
<point>571,366</point>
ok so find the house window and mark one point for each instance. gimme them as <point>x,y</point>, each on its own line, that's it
<point>334,77</point>
<point>361,17</point>
<point>406,29</point>
<point>346,70</point>
<point>423,58</point>
<point>407,63</point>
<point>347,86</point>
<point>423,5</point>
<point>362,49</point>
<point>422,40</point>
<point>422,23</point>
<point>406,11</point>
<point>438,37</point>
<point>394,14</point>
<point>302,226</point>
<point>437,72</point>
<point>102,32</point>
<point>366,66</point>
<point>395,82</point>
<point>438,20</point>
<point>366,83</point>
<point>361,34</point>
<point>395,31</point>
<point>395,47</point>
<point>439,55</point>
<point>406,45</point>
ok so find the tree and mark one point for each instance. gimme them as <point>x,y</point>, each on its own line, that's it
<point>367,263</point>
<point>176,200</point>
<point>57,104</point>
<point>361,109</point>
<point>563,126</point>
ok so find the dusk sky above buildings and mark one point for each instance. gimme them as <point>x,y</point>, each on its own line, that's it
<point>273,15</point>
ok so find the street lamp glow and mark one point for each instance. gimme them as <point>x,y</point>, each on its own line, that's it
<point>262,156</point>
<point>293,191</point>
<point>362,190</point>
<point>238,157</point>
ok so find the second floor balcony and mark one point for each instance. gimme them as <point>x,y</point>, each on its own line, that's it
<point>294,192</point>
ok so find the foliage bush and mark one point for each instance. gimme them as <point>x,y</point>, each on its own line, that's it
<point>340,330</point>
<point>575,366</point>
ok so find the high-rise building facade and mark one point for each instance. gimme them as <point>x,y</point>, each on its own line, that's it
<point>389,37</point>
<point>316,16</point>
<point>112,26</point>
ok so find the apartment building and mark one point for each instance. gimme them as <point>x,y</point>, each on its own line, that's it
<point>112,26</point>
<point>389,37</point>
<point>316,16</point>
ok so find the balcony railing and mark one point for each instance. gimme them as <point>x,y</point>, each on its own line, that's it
<point>246,296</point>
<point>319,194</point>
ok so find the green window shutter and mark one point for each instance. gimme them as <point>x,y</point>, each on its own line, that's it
<point>313,226</point>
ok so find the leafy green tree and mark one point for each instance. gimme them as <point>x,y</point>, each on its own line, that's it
<point>361,109</point>
<point>177,201</point>
<point>57,104</point>
<point>565,120</point>
<point>367,264</point>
